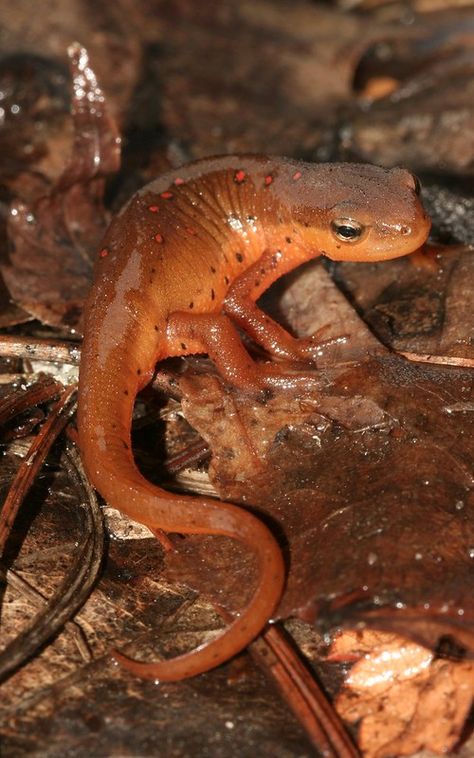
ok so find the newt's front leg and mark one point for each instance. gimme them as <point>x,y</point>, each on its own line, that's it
<point>240,305</point>
<point>216,335</point>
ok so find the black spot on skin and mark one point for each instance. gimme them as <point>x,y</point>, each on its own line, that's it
<point>288,239</point>
<point>262,271</point>
<point>226,279</point>
<point>191,305</point>
<point>306,223</point>
<point>213,270</point>
<point>125,445</point>
<point>213,295</point>
<point>239,257</point>
<point>257,283</point>
<point>183,346</point>
<point>156,328</point>
<point>125,392</point>
<point>139,371</point>
<point>153,271</point>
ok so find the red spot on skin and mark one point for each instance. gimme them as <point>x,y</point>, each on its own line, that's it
<point>239,176</point>
<point>166,195</point>
<point>178,181</point>
<point>159,237</point>
<point>191,231</point>
<point>297,175</point>
<point>268,180</point>
<point>103,253</point>
<point>153,208</point>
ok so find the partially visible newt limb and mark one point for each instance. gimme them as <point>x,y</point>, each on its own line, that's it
<point>216,335</point>
<point>240,305</point>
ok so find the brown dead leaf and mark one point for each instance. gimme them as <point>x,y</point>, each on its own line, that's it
<point>412,125</point>
<point>404,699</point>
<point>349,473</point>
<point>35,129</point>
<point>416,308</point>
<point>109,30</point>
<point>56,232</point>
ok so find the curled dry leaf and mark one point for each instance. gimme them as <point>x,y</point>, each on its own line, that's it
<point>404,698</point>
<point>55,233</point>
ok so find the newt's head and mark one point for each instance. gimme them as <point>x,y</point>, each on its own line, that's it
<point>366,213</point>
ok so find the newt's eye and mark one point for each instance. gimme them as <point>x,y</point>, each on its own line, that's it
<point>346,229</point>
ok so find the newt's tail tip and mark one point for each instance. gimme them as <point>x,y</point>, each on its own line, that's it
<point>137,668</point>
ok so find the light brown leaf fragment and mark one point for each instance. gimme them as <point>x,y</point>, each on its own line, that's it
<point>404,699</point>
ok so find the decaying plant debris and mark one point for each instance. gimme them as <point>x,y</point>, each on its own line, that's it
<point>367,480</point>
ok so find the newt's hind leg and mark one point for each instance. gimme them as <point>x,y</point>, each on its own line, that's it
<point>216,335</point>
<point>240,305</point>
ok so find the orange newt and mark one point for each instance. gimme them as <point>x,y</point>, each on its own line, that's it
<point>181,266</point>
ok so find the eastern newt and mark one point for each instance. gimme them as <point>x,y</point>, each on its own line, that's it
<point>181,265</point>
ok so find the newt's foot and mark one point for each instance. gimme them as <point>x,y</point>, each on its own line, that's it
<point>286,377</point>
<point>310,349</point>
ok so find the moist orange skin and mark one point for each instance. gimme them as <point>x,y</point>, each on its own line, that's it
<point>180,265</point>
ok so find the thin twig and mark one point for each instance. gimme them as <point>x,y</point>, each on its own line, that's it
<point>273,652</point>
<point>39,600</point>
<point>33,461</point>
<point>309,690</point>
<point>442,360</point>
<point>191,455</point>
<point>55,351</point>
<point>75,587</point>
<point>263,654</point>
<point>21,400</point>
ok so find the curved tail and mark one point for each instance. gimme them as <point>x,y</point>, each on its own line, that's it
<point>106,399</point>
<point>214,517</point>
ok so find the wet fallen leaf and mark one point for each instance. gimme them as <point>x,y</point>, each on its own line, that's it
<point>55,234</point>
<point>415,308</point>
